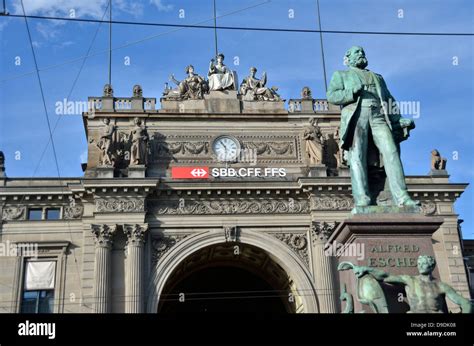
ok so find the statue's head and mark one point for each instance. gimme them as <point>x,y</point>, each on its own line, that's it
<point>355,57</point>
<point>106,121</point>
<point>426,264</point>
<point>108,90</point>
<point>435,152</point>
<point>220,58</point>
<point>189,69</point>
<point>137,121</point>
<point>137,91</point>
<point>253,70</point>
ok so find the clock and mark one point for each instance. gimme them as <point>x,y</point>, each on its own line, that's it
<point>226,148</point>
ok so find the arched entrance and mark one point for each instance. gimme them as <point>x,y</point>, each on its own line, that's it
<point>264,261</point>
<point>228,277</point>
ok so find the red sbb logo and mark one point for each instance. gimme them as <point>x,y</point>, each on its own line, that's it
<point>190,172</point>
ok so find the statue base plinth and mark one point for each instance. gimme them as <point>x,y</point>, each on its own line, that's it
<point>317,170</point>
<point>263,107</point>
<point>343,171</point>
<point>105,171</point>
<point>137,171</point>
<point>386,209</point>
<point>439,172</point>
<point>389,242</point>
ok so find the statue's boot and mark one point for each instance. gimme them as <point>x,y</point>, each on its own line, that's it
<point>362,201</point>
<point>408,202</point>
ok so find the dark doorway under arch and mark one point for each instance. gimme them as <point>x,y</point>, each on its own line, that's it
<point>216,280</point>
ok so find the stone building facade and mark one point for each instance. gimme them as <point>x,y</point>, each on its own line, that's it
<point>141,237</point>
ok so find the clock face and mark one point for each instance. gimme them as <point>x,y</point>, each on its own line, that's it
<point>226,148</point>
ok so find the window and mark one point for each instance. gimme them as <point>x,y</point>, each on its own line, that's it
<point>52,214</point>
<point>38,291</point>
<point>35,214</point>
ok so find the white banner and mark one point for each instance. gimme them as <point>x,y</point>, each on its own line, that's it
<point>40,275</point>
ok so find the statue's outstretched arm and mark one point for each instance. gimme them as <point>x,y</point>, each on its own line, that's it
<point>455,297</point>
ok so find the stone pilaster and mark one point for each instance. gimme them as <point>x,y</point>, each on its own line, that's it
<point>102,268</point>
<point>134,284</point>
<point>323,267</point>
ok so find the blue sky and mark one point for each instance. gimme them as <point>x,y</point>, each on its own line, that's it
<point>416,68</point>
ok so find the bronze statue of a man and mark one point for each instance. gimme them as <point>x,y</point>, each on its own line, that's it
<point>364,97</point>
<point>424,293</point>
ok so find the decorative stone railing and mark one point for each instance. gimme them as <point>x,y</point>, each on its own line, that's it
<point>122,104</point>
<point>310,105</point>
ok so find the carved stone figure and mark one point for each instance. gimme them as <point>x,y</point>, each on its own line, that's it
<point>339,155</point>
<point>108,90</point>
<point>106,144</point>
<point>314,142</point>
<point>369,110</point>
<point>192,88</point>
<point>220,77</point>
<point>437,162</point>
<point>424,293</point>
<point>137,91</point>
<point>306,93</point>
<point>139,148</point>
<point>253,88</point>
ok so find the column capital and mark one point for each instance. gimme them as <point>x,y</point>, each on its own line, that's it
<point>135,233</point>
<point>321,230</point>
<point>103,234</point>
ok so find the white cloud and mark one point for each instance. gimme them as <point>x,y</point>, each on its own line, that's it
<point>62,8</point>
<point>161,6</point>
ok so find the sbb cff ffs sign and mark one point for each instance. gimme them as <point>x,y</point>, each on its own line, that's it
<point>244,172</point>
<point>190,172</point>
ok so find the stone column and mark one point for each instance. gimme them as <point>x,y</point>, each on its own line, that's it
<point>103,246</point>
<point>323,267</point>
<point>134,284</point>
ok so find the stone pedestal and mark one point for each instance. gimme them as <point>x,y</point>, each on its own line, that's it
<point>389,242</point>
<point>307,105</point>
<point>107,104</point>
<point>137,104</point>
<point>317,170</point>
<point>263,107</point>
<point>134,285</point>
<point>137,171</point>
<point>102,266</point>
<point>343,171</point>
<point>105,172</point>
<point>222,102</point>
<point>439,172</point>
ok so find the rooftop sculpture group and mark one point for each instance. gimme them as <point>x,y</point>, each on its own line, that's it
<point>220,78</point>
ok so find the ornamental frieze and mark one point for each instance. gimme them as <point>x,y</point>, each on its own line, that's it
<point>73,212</point>
<point>190,148</point>
<point>14,213</point>
<point>332,203</point>
<point>124,205</point>
<point>231,206</point>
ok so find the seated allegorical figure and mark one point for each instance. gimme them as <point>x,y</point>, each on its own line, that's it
<point>253,88</point>
<point>219,76</point>
<point>193,87</point>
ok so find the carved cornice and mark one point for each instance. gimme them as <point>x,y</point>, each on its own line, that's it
<point>103,234</point>
<point>321,231</point>
<point>122,205</point>
<point>297,242</point>
<point>163,244</point>
<point>135,233</point>
<point>231,206</point>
